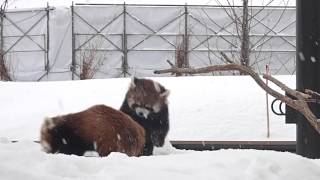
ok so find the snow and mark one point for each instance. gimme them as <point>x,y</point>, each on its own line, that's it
<point>301,55</point>
<point>25,160</point>
<point>201,108</point>
<point>313,59</point>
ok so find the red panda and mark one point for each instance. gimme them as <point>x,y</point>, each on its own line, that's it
<point>99,128</point>
<point>146,103</point>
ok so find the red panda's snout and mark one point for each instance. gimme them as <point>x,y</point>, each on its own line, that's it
<point>142,112</point>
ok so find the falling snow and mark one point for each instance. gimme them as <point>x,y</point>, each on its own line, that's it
<point>95,145</point>
<point>64,141</point>
<point>301,56</point>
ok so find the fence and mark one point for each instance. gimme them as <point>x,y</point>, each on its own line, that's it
<point>24,36</point>
<point>122,40</point>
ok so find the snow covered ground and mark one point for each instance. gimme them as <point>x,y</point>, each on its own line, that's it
<point>24,160</point>
<point>201,108</point>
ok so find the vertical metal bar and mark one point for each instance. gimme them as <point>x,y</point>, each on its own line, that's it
<point>25,33</point>
<point>124,43</point>
<point>308,72</point>
<point>186,37</point>
<point>73,61</point>
<point>1,31</point>
<point>48,39</point>
<point>1,42</point>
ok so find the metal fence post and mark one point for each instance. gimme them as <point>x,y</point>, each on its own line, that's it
<point>1,31</point>
<point>48,40</point>
<point>124,43</point>
<point>186,37</point>
<point>2,58</point>
<point>73,61</point>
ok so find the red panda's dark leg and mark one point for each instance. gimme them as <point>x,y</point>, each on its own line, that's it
<point>148,147</point>
<point>70,142</point>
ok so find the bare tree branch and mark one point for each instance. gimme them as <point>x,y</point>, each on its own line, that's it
<point>259,11</point>
<point>226,11</point>
<point>237,19</point>
<point>315,97</point>
<point>226,57</point>
<point>300,103</point>
<point>286,89</point>
<point>271,29</point>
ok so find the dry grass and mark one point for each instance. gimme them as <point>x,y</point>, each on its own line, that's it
<point>180,59</point>
<point>91,64</point>
<point>90,60</point>
<point>4,69</point>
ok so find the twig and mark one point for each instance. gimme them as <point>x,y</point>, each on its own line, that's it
<point>315,97</point>
<point>171,64</point>
<point>286,89</point>
<point>313,94</point>
<point>226,57</point>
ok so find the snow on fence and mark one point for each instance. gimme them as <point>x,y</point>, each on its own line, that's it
<point>101,41</point>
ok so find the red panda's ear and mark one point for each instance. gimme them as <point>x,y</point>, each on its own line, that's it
<point>133,82</point>
<point>165,93</point>
<point>157,87</point>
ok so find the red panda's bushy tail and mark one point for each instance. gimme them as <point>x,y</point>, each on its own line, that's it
<point>46,136</point>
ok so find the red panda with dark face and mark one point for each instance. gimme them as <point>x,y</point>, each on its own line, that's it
<point>99,128</point>
<point>146,103</point>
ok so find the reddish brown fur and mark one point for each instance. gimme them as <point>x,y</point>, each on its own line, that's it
<point>146,103</point>
<point>144,92</point>
<point>102,127</point>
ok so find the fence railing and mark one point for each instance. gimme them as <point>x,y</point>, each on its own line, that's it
<point>121,40</point>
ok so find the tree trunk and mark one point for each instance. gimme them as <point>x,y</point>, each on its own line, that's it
<point>245,51</point>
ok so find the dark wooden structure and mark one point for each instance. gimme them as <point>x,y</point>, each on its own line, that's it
<point>308,73</point>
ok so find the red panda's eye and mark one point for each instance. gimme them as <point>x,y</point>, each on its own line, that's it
<point>149,108</point>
